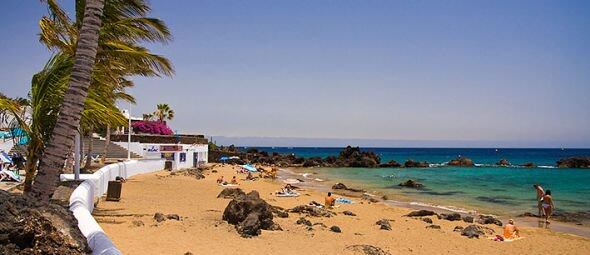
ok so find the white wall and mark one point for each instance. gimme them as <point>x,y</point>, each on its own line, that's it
<point>95,185</point>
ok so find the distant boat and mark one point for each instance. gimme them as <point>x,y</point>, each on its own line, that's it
<point>497,150</point>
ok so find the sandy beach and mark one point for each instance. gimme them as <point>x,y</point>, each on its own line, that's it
<point>130,224</point>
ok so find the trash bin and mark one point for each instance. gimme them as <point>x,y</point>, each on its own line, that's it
<point>114,190</point>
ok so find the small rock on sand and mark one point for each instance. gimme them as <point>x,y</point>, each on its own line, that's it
<point>335,229</point>
<point>451,217</point>
<point>173,217</point>
<point>468,219</point>
<point>367,249</point>
<point>349,213</point>
<point>421,213</point>
<point>384,223</point>
<point>159,217</point>
<point>138,223</point>
<point>489,219</point>
<point>427,220</point>
<point>433,226</point>
<point>303,221</point>
<point>458,229</point>
<point>476,231</point>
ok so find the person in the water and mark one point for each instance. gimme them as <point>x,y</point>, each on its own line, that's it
<point>540,194</point>
<point>548,206</point>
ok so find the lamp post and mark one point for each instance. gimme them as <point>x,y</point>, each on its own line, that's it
<point>129,134</point>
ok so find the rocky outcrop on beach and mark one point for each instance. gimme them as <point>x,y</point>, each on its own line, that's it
<point>476,231</point>
<point>489,219</point>
<point>412,163</point>
<point>231,193</point>
<point>27,227</point>
<point>503,162</point>
<point>421,213</point>
<point>250,214</point>
<point>341,186</point>
<point>451,216</point>
<point>461,161</point>
<point>574,162</point>
<point>411,184</point>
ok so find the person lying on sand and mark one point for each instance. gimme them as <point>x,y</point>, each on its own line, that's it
<point>330,200</point>
<point>234,180</point>
<point>510,230</point>
<point>548,206</point>
<point>220,180</point>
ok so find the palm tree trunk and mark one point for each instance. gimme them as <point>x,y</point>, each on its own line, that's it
<point>89,154</point>
<point>106,145</point>
<point>62,139</point>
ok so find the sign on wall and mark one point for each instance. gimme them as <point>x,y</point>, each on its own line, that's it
<point>166,148</point>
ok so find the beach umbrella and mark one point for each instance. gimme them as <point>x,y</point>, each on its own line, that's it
<point>250,168</point>
<point>234,157</point>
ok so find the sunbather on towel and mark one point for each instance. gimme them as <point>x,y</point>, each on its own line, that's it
<point>234,180</point>
<point>8,175</point>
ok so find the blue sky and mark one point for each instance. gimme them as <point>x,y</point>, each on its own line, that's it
<point>489,73</point>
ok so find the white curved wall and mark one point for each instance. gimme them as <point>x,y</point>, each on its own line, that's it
<point>95,185</point>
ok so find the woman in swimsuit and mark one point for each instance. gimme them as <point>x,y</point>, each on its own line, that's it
<point>548,206</point>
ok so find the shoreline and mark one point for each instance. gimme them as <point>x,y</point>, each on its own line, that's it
<point>131,225</point>
<point>325,186</point>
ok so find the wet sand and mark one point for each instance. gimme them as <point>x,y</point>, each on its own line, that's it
<point>201,230</point>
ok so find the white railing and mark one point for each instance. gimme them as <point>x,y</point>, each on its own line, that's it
<point>94,186</point>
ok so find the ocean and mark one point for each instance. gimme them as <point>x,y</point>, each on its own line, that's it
<point>485,188</point>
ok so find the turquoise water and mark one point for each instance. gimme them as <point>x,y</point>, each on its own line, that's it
<point>486,188</point>
<point>502,191</point>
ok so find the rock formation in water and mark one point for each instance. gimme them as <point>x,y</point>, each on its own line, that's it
<point>461,161</point>
<point>574,162</point>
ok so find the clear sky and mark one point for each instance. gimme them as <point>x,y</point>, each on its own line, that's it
<point>491,73</point>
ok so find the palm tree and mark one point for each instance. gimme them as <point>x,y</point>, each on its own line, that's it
<point>163,111</point>
<point>125,25</point>
<point>55,154</point>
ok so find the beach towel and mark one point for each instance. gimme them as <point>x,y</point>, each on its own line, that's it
<point>342,200</point>
<point>11,175</point>
<point>290,194</point>
<point>228,185</point>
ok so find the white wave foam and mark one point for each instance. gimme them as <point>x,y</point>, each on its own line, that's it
<point>445,207</point>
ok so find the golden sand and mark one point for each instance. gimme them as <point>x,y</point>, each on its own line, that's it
<point>201,230</point>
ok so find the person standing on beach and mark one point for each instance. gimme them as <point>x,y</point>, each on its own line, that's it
<point>540,194</point>
<point>548,206</point>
